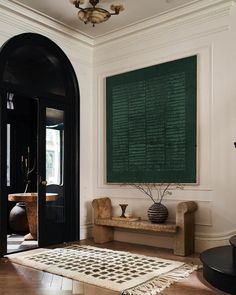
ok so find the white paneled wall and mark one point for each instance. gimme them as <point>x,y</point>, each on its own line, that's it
<point>81,57</point>
<point>209,31</point>
<point>210,34</point>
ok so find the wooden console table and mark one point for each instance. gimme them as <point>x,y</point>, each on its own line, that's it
<point>30,200</point>
<point>183,229</point>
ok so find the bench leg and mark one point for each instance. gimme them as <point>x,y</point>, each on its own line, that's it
<point>102,234</point>
<point>184,239</point>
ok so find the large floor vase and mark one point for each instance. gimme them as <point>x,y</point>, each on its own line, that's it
<point>157,213</point>
<point>18,219</point>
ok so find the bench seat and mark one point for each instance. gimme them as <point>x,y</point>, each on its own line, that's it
<point>183,229</point>
<point>139,225</point>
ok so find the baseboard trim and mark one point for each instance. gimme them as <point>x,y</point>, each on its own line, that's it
<point>86,231</point>
<point>203,241</point>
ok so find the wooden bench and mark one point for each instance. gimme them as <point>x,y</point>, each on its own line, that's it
<point>183,229</point>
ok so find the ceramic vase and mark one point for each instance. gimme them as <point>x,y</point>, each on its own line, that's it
<point>157,213</point>
<point>18,219</point>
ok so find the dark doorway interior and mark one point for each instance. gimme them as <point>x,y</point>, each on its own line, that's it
<point>21,151</point>
<point>36,80</point>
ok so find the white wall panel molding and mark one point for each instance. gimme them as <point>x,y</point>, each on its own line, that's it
<point>8,27</point>
<point>204,124</point>
<point>203,219</point>
<point>201,244</point>
<point>154,240</point>
<point>15,24</point>
<point>44,20</point>
<point>136,196</point>
<point>215,236</point>
<point>86,221</point>
<point>196,12</point>
<point>167,241</point>
<point>202,240</point>
<point>205,241</point>
<point>199,12</point>
<point>116,187</point>
<point>86,231</point>
<point>153,42</point>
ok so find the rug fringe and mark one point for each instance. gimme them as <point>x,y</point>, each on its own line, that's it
<point>158,284</point>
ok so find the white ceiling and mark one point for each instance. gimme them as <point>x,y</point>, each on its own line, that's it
<point>135,11</point>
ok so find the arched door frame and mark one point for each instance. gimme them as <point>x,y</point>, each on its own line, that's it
<point>71,96</point>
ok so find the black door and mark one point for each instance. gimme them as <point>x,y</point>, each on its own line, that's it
<point>33,66</point>
<point>3,176</point>
<point>54,173</point>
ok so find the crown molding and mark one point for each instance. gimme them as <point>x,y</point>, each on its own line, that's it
<point>194,11</point>
<point>203,10</point>
<point>17,24</point>
<point>20,10</point>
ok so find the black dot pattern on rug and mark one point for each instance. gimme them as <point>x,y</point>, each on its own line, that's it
<point>113,266</point>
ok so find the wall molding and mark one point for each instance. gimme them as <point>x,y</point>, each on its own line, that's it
<point>204,117</point>
<point>167,199</point>
<point>187,188</point>
<point>195,12</point>
<point>17,24</point>
<point>86,231</point>
<point>222,236</point>
<point>167,241</point>
<point>203,241</point>
<point>165,39</point>
<point>28,13</point>
<point>189,14</point>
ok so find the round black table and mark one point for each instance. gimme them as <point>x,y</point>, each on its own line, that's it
<point>219,268</point>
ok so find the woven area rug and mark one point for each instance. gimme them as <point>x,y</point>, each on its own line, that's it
<point>130,274</point>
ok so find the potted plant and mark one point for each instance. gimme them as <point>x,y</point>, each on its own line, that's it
<point>157,212</point>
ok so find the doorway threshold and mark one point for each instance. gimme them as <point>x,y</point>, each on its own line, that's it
<point>16,243</point>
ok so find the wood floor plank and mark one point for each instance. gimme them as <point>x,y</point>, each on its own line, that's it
<point>56,282</point>
<point>78,288</point>
<point>89,290</point>
<point>47,279</point>
<point>94,290</point>
<point>66,284</point>
<point>20,280</point>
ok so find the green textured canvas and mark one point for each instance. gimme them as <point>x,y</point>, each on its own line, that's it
<point>151,123</point>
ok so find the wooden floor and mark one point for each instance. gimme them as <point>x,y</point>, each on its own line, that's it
<point>20,280</point>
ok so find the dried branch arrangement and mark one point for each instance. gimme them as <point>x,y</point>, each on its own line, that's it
<point>156,191</point>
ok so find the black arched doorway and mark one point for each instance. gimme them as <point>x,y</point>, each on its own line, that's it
<point>39,117</point>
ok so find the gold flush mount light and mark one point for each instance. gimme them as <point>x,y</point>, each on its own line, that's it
<point>94,14</point>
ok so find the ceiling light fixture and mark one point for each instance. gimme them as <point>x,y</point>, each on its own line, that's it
<point>95,15</point>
